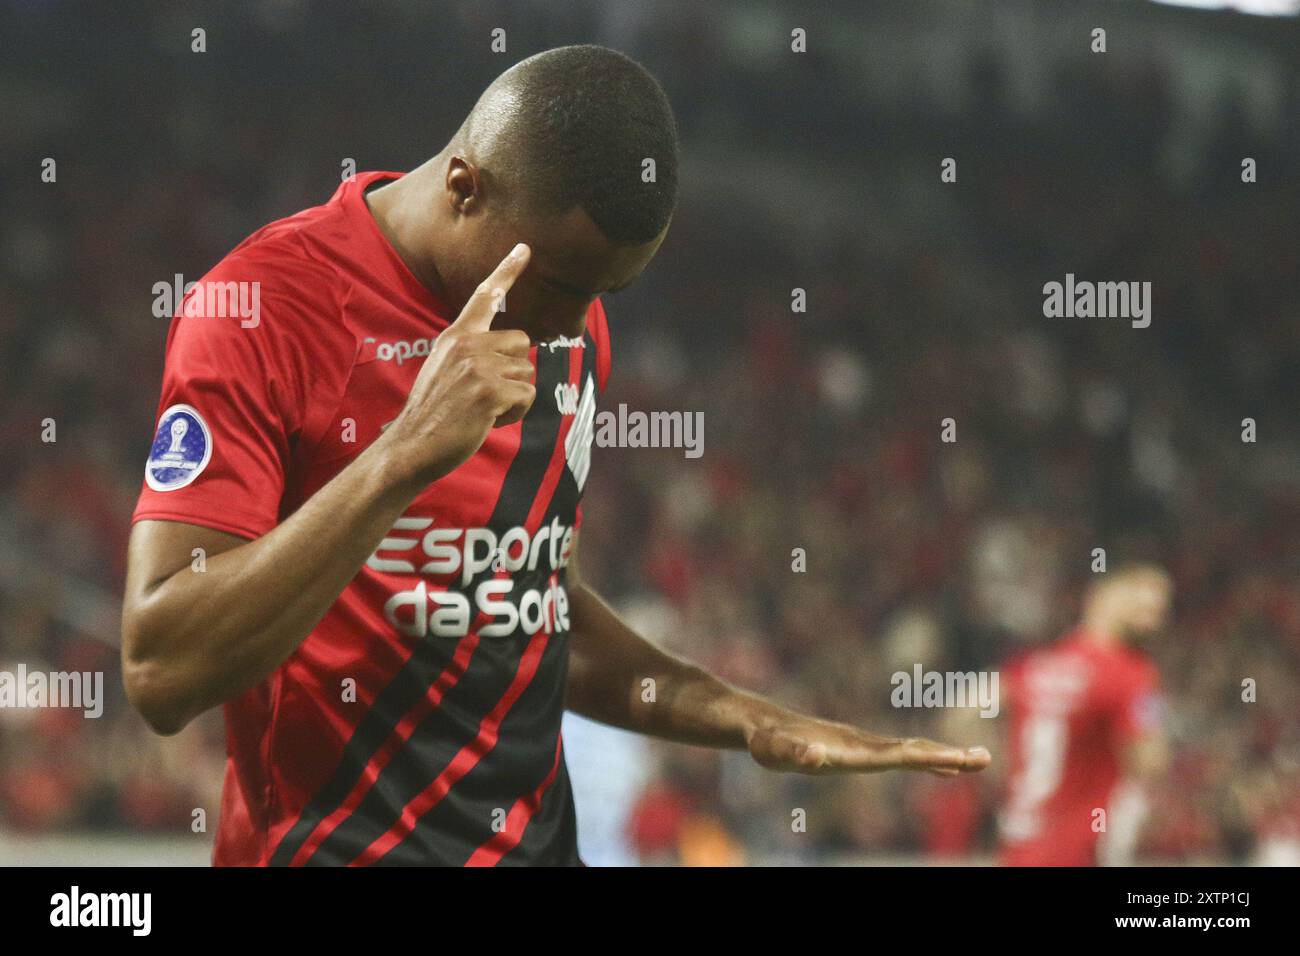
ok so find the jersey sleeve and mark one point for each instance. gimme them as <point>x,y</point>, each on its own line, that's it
<point>1139,710</point>
<point>232,401</point>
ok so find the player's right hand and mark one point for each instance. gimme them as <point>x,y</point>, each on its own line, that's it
<point>475,379</point>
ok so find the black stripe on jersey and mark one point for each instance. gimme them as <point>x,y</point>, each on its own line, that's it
<point>551,839</point>
<point>429,659</point>
<point>455,828</point>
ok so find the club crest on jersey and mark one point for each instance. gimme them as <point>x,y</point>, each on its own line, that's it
<point>182,447</point>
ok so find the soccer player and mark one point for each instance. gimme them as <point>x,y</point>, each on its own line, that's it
<point>359,525</point>
<point>1085,719</point>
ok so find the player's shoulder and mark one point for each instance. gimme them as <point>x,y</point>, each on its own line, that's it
<point>261,297</point>
<point>317,251</point>
<point>1122,676</point>
<point>1137,667</point>
<point>289,258</point>
<point>1060,671</point>
<point>266,318</point>
<point>287,282</point>
<point>1119,659</point>
<point>1014,664</point>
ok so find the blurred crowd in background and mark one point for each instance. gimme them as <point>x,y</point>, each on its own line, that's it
<point>924,302</point>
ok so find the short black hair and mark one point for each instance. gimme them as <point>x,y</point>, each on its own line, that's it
<point>582,122</point>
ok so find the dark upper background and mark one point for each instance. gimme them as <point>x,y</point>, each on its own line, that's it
<point>818,171</point>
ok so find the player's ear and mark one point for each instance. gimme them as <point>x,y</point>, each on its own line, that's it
<point>464,186</point>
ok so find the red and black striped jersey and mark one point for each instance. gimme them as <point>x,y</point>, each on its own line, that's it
<point>420,720</point>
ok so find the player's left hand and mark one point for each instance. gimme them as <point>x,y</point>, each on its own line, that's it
<point>802,744</point>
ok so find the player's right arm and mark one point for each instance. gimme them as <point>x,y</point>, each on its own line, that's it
<point>194,639</point>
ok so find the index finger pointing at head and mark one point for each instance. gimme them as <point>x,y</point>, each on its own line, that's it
<point>482,305</point>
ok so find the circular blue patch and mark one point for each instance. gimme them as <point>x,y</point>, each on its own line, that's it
<point>182,447</point>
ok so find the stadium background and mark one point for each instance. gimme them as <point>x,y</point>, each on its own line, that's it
<point>818,171</point>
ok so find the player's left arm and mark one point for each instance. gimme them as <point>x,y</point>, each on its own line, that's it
<point>1144,747</point>
<point>1144,759</point>
<point>618,677</point>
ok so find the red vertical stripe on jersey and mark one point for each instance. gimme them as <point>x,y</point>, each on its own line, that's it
<point>464,761</point>
<point>491,852</point>
<point>401,734</point>
<point>556,468</point>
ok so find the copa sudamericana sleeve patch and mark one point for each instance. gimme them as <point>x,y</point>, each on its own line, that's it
<point>182,448</point>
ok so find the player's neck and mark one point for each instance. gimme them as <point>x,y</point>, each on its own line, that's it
<point>1099,632</point>
<point>390,205</point>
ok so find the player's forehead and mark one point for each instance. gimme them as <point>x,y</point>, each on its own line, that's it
<point>569,249</point>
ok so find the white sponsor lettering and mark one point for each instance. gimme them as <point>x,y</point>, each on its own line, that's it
<point>464,555</point>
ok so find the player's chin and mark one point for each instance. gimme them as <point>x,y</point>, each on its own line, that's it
<point>552,333</point>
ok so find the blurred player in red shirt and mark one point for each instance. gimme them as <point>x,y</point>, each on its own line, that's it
<point>1085,729</point>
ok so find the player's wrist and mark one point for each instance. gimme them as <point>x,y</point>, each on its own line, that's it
<point>752,714</point>
<point>402,471</point>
